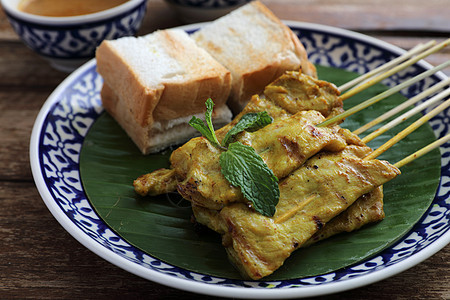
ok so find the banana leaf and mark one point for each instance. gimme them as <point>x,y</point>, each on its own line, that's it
<point>162,227</point>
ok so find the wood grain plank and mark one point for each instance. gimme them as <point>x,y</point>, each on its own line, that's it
<point>367,15</point>
<point>18,111</point>
<point>23,69</point>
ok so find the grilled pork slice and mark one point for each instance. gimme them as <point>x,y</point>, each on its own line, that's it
<point>294,92</point>
<point>291,93</point>
<point>325,186</point>
<point>366,210</point>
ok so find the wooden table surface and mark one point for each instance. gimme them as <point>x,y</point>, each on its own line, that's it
<point>39,259</point>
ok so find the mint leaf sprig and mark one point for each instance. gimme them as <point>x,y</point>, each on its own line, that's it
<point>207,130</point>
<point>240,164</point>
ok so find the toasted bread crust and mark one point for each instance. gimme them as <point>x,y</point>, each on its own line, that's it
<point>180,99</point>
<point>260,56</point>
<point>141,100</point>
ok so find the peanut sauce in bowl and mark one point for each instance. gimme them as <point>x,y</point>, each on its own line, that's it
<point>67,33</point>
<point>58,8</point>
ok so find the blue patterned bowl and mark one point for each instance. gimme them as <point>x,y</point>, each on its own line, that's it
<point>68,42</point>
<point>191,11</point>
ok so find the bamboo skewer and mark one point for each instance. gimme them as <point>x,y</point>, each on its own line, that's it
<point>423,151</point>
<point>403,106</point>
<point>383,95</point>
<point>401,135</point>
<point>417,49</point>
<point>406,116</point>
<point>291,212</point>
<point>394,70</point>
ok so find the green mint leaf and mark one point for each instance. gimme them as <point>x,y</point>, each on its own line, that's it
<point>207,131</point>
<point>244,168</point>
<point>208,118</point>
<point>250,122</point>
<point>202,128</point>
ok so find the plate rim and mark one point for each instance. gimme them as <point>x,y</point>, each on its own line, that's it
<point>200,287</point>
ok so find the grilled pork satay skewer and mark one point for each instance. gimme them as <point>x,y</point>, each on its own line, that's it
<point>291,212</point>
<point>394,70</point>
<point>406,104</point>
<point>417,49</point>
<point>288,99</point>
<point>367,209</point>
<point>278,91</point>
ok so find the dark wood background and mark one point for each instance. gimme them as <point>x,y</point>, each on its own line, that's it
<point>39,259</point>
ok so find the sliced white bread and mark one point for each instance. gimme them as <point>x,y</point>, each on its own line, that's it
<point>256,47</point>
<point>154,83</point>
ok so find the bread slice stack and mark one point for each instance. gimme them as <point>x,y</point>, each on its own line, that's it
<point>155,83</point>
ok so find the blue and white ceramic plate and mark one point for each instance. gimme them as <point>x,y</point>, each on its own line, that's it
<point>74,106</point>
